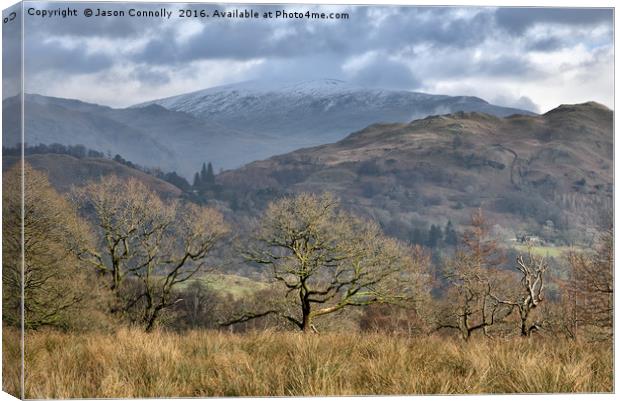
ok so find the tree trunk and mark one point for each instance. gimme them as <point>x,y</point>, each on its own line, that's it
<point>152,318</point>
<point>306,320</point>
<point>524,332</point>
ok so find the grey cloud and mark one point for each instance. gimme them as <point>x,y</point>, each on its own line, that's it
<point>383,73</point>
<point>147,75</point>
<point>523,102</point>
<point>546,44</point>
<point>291,69</point>
<point>238,39</point>
<point>230,39</point>
<point>506,65</point>
<point>437,26</point>
<point>518,20</point>
<point>51,56</point>
<point>81,27</point>
<point>464,64</point>
<point>242,40</point>
<point>316,49</point>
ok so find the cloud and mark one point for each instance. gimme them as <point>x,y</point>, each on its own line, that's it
<point>506,65</point>
<point>381,72</point>
<point>522,102</point>
<point>475,50</point>
<point>81,27</point>
<point>518,20</point>
<point>53,55</point>
<point>150,76</point>
<point>545,44</point>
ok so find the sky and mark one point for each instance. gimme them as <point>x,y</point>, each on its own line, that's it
<point>533,58</point>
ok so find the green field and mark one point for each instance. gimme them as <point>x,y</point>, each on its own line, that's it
<point>548,251</point>
<point>237,286</point>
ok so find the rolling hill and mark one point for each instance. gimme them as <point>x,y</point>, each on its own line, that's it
<point>550,174</point>
<point>228,126</point>
<point>152,136</point>
<point>65,171</point>
<point>547,174</point>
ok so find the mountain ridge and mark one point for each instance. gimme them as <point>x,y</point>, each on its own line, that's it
<point>156,136</point>
<point>550,172</point>
<point>225,95</point>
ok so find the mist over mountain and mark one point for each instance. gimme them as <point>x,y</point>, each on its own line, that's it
<point>321,108</point>
<point>229,125</point>
<point>151,136</point>
<point>289,116</point>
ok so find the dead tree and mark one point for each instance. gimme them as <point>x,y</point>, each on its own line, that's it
<point>532,270</point>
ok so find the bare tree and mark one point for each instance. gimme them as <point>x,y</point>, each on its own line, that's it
<point>57,287</point>
<point>592,287</point>
<point>532,270</point>
<point>158,244</point>
<point>470,305</point>
<point>198,306</point>
<point>328,260</point>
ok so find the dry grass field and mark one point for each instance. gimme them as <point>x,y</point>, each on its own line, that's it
<point>130,363</point>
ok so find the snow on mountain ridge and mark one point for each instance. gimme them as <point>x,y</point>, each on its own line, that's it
<point>277,117</point>
<point>326,87</point>
<point>233,98</point>
<point>264,96</point>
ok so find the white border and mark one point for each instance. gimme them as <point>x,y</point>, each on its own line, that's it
<point>491,3</point>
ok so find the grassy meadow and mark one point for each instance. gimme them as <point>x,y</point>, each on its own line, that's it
<point>231,284</point>
<point>131,363</point>
<point>544,251</point>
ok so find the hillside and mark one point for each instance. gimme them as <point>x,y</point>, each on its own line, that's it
<point>65,171</point>
<point>550,174</point>
<point>151,136</point>
<point>228,126</point>
<point>285,116</point>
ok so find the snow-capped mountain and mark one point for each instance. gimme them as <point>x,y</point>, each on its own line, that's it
<point>231,125</point>
<point>316,111</point>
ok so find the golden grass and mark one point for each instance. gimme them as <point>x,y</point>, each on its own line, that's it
<point>11,362</point>
<point>130,363</point>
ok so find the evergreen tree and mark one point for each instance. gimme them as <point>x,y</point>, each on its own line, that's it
<point>434,236</point>
<point>210,177</point>
<point>177,181</point>
<point>450,236</point>
<point>203,175</point>
<point>417,237</point>
<point>196,181</point>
